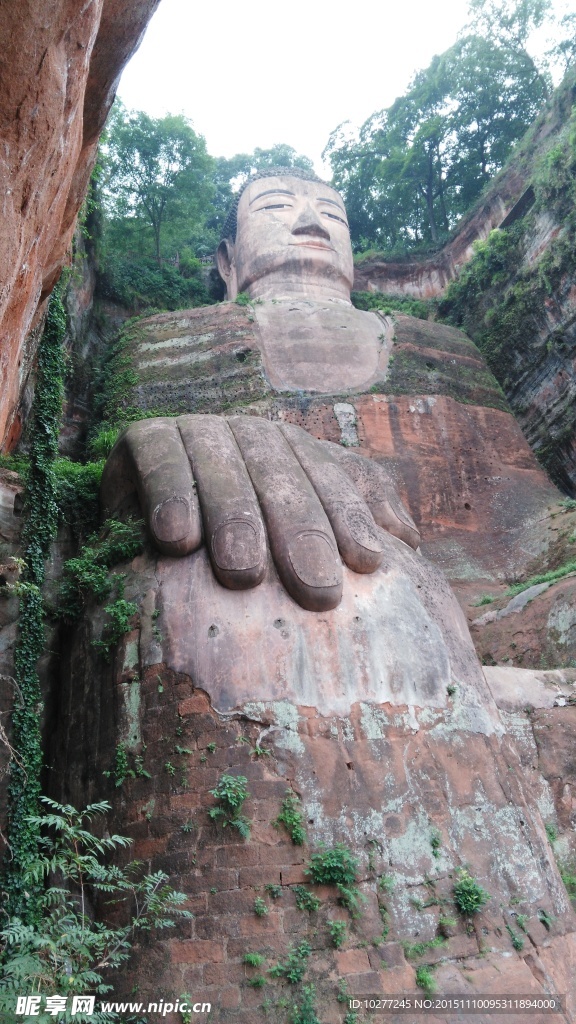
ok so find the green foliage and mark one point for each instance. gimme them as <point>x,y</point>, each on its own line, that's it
<point>413,950</point>
<point>568,875</point>
<point>551,832</point>
<point>291,817</point>
<point>140,283</point>
<point>351,898</point>
<point>274,891</point>
<point>337,931</point>
<point>304,1012</point>
<point>306,900</point>
<point>517,940</point>
<point>86,577</point>
<point>121,766</point>
<point>546,919</point>
<point>436,843</point>
<point>484,599</point>
<point>294,967</point>
<point>469,896</point>
<point>120,613</point>
<point>102,442</point>
<point>260,907</point>
<point>415,167</point>
<point>258,982</point>
<point>230,794</point>
<point>425,978</point>
<point>40,523</point>
<point>351,1018</point>
<point>243,299</point>
<point>77,494</point>
<point>544,577</point>
<point>65,950</point>
<point>253,959</point>
<point>386,883</point>
<point>390,304</point>
<point>334,865</point>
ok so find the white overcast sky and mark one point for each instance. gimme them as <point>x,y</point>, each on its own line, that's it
<point>254,73</point>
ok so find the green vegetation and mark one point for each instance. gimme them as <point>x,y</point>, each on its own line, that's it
<point>291,817</point>
<point>294,967</point>
<point>517,940</point>
<point>23,894</point>
<point>86,577</point>
<point>337,931</point>
<point>390,304</point>
<point>436,843</point>
<point>64,950</point>
<point>545,577</point>
<point>306,900</point>
<point>253,959</point>
<point>469,896</point>
<point>425,978</point>
<point>230,794</point>
<point>484,599</point>
<point>551,832</point>
<point>413,950</point>
<point>568,875</point>
<point>260,907</point>
<point>274,891</point>
<point>121,613</point>
<point>304,1012</point>
<point>334,865</point>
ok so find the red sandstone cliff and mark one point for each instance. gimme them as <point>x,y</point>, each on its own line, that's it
<point>59,68</point>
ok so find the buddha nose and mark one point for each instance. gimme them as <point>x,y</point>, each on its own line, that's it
<point>309,223</point>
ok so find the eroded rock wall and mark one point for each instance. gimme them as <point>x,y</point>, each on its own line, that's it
<point>59,67</point>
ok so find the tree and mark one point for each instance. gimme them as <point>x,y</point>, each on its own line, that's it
<point>159,175</point>
<point>418,165</point>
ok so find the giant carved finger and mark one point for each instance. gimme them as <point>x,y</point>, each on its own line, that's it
<point>299,532</point>
<point>233,527</point>
<point>379,493</point>
<point>349,515</point>
<point>149,457</point>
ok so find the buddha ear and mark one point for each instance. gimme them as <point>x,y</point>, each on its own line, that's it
<point>227,267</point>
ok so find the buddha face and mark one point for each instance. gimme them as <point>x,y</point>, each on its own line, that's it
<point>292,240</point>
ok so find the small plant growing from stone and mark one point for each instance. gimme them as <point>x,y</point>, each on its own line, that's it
<point>436,843</point>
<point>294,967</point>
<point>230,794</point>
<point>211,748</point>
<point>521,920</point>
<point>334,865</point>
<point>469,896</point>
<point>386,883</point>
<point>425,979</point>
<point>517,940</point>
<point>304,1012</point>
<point>260,908</point>
<point>337,931</point>
<point>257,982</point>
<point>546,919</point>
<point>253,959</point>
<point>306,900</point>
<point>351,1018</point>
<point>273,890</point>
<point>291,817</point>
<point>551,832</point>
<point>337,865</point>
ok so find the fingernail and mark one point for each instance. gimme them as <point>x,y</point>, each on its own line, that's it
<point>171,521</point>
<point>363,529</point>
<point>314,560</point>
<point>236,544</point>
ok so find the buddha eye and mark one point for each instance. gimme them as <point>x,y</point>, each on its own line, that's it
<point>334,216</point>
<point>277,206</point>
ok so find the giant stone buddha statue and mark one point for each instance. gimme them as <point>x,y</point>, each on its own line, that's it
<point>292,566</point>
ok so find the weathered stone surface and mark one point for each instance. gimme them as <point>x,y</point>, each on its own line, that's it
<point>59,68</point>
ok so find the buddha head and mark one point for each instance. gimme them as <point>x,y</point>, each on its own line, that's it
<point>287,236</point>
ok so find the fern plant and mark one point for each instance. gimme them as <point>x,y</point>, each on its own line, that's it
<point>230,794</point>
<point>66,951</point>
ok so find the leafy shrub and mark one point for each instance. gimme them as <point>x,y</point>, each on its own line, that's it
<point>335,865</point>
<point>425,978</point>
<point>253,959</point>
<point>260,908</point>
<point>337,931</point>
<point>86,577</point>
<point>388,304</point>
<point>120,613</point>
<point>306,900</point>
<point>230,794</point>
<point>139,283</point>
<point>469,896</point>
<point>291,817</point>
<point>304,1012</point>
<point>65,950</point>
<point>294,967</point>
<point>77,494</point>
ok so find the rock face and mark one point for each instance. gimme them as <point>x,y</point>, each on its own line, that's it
<point>59,68</point>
